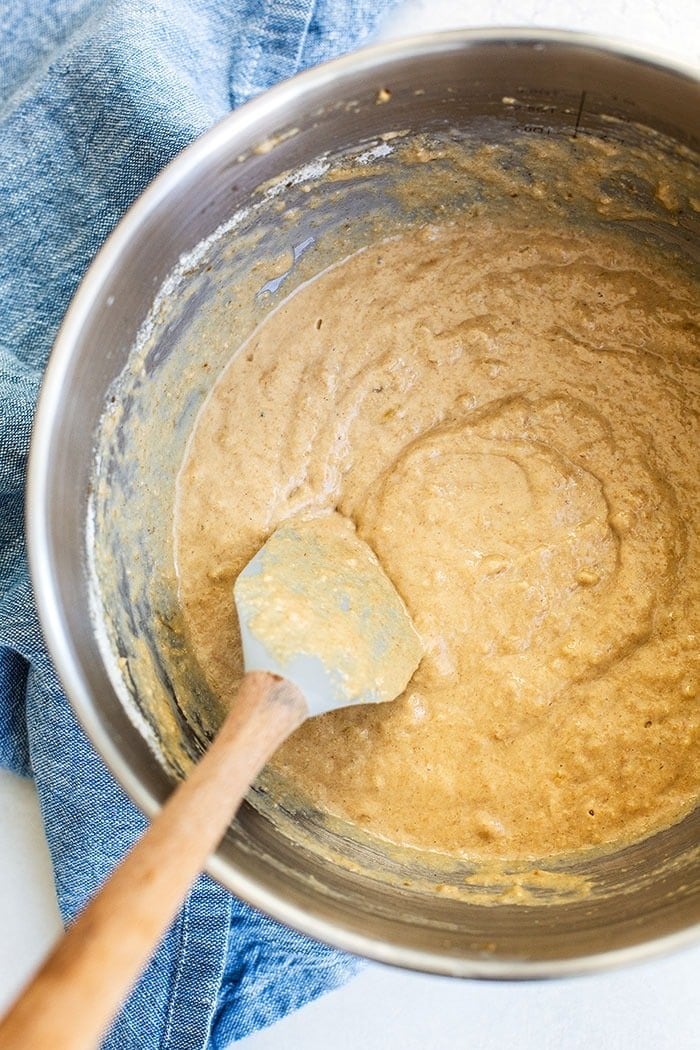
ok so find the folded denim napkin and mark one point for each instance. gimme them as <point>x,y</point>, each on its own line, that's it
<point>95,97</point>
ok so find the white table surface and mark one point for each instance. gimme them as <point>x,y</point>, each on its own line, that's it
<point>653,1006</point>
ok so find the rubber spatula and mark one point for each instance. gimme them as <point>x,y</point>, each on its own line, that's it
<point>322,627</point>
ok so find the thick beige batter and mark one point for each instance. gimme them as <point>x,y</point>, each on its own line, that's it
<point>510,417</point>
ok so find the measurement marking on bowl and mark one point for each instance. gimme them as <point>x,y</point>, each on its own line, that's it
<point>580,113</point>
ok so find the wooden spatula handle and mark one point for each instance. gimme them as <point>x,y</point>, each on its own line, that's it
<point>70,1002</point>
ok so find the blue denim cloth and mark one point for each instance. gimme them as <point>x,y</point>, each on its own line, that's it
<point>95,97</point>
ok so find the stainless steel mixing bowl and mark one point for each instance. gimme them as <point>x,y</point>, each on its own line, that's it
<point>562,86</point>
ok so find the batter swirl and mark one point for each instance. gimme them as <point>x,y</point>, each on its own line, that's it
<point>510,417</point>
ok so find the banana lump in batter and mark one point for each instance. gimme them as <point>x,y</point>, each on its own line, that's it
<point>510,418</point>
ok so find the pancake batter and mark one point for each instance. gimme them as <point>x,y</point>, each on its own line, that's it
<point>510,418</point>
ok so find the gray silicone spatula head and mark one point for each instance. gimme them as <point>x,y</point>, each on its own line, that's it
<point>316,607</point>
